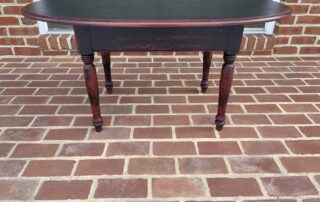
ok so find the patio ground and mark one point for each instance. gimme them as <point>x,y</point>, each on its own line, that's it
<point>158,142</point>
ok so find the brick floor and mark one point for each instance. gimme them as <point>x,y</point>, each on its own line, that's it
<point>158,142</point>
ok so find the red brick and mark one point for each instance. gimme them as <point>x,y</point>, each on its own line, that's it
<point>250,119</point>
<point>52,121</point>
<point>310,131</point>
<point>301,164</point>
<point>12,10</point>
<point>202,165</point>
<point>110,133</point>
<point>288,30</point>
<point>279,132</point>
<point>82,149</point>
<point>132,120</point>
<point>238,132</point>
<point>177,187</point>
<point>312,200</point>
<point>303,40</point>
<point>59,190</point>
<point>309,50</point>
<point>298,107</point>
<point>171,120</point>
<point>249,90</point>
<point>5,21</point>
<point>152,133</point>
<point>48,168</point>
<point>299,9</point>
<point>315,9</point>
<point>304,146</point>
<point>195,132</point>
<point>218,148</point>
<point>100,167</point>
<point>306,98</point>
<point>315,117</point>
<point>22,134</point>
<point>308,20</point>
<point>262,108</point>
<point>128,148</point>
<point>66,134</point>
<point>263,147</point>
<point>11,41</point>
<point>135,99</point>
<point>289,186</point>
<point>158,166</point>
<point>5,148</point>
<point>169,99</point>
<point>312,30</point>
<point>272,200</point>
<point>17,189</point>
<point>26,51</point>
<point>121,188</point>
<point>253,165</point>
<point>152,109</point>
<point>221,187</point>
<point>11,168</point>
<point>34,150</point>
<point>19,91</point>
<point>187,109</point>
<point>173,148</point>
<point>286,50</point>
<point>43,110</point>
<point>290,119</point>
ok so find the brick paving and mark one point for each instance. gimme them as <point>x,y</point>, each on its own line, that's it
<point>158,141</point>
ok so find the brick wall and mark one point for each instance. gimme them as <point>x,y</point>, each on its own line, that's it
<point>298,34</point>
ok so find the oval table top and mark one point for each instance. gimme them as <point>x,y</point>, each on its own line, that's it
<point>156,13</point>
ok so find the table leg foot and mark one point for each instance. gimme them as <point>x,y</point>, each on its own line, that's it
<point>225,88</point>
<point>220,121</point>
<point>207,57</point>
<point>97,123</point>
<point>106,61</point>
<point>91,80</point>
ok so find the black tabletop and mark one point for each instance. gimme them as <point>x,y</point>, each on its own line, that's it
<point>156,13</point>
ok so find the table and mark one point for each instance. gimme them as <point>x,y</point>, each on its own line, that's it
<point>157,25</point>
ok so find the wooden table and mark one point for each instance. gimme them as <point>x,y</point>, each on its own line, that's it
<point>156,25</point>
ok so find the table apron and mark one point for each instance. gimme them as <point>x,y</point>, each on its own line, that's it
<point>226,38</point>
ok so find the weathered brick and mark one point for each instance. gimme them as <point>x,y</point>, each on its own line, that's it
<point>253,165</point>
<point>121,188</point>
<point>82,149</point>
<point>22,134</point>
<point>154,166</point>
<point>60,190</point>
<point>177,187</point>
<point>202,165</point>
<point>289,186</point>
<point>11,168</point>
<point>263,147</point>
<point>17,189</point>
<point>128,148</point>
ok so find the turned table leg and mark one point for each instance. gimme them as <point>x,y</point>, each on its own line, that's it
<point>224,88</point>
<point>207,57</point>
<point>90,76</point>
<point>107,70</point>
